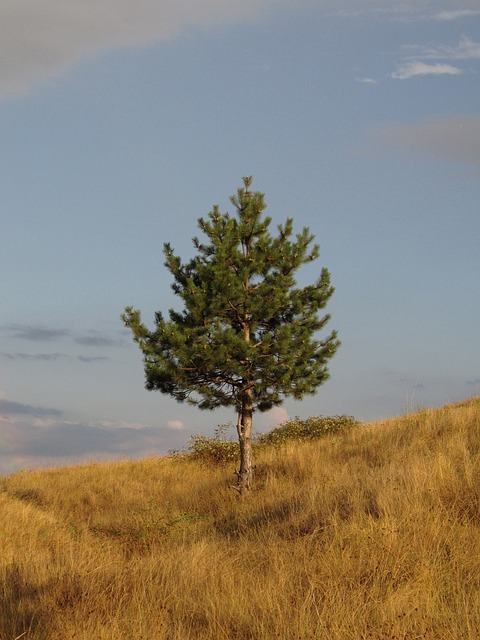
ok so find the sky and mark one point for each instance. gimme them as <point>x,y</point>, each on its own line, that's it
<point>123,122</point>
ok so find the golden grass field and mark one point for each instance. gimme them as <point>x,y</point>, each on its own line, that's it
<point>373,533</point>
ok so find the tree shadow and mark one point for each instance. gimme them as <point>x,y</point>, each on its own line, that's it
<point>21,615</point>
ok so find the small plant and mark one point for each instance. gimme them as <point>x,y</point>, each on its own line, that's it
<point>309,429</point>
<point>217,450</point>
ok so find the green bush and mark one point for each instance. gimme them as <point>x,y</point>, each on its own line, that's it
<point>217,450</point>
<point>222,450</point>
<point>309,429</point>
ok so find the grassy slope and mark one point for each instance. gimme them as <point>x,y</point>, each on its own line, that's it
<point>370,534</point>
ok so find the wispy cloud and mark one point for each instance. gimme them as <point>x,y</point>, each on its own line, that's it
<point>418,59</point>
<point>109,424</point>
<point>272,418</point>
<point>50,357</point>
<point>66,33</point>
<point>35,333</point>
<point>405,11</point>
<point>466,49</point>
<point>366,80</point>
<point>176,425</point>
<point>95,340</point>
<point>40,442</point>
<point>39,333</point>
<point>44,357</point>
<point>9,408</point>
<point>415,69</point>
<point>39,40</point>
<point>446,16</point>
<point>454,138</point>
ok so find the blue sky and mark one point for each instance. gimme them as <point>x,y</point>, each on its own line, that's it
<point>122,123</point>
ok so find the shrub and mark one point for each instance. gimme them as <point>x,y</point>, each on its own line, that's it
<point>309,429</point>
<point>218,450</point>
<point>222,450</point>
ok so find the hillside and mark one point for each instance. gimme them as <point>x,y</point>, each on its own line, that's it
<point>372,533</point>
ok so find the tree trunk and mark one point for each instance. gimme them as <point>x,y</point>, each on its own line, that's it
<point>244,424</point>
<point>244,428</point>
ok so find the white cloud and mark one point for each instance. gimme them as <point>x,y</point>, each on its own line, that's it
<point>454,138</point>
<point>272,418</point>
<point>414,69</point>
<point>419,55</point>
<point>101,424</point>
<point>10,407</point>
<point>176,425</point>
<point>454,15</point>
<point>366,80</point>
<point>467,49</point>
<point>46,423</point>
<point>39,40</point>
<point>405,11</point>
<point>122,424</point>
<point>46,443</point>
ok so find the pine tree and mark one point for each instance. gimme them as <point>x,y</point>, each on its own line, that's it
<point>247,336</point>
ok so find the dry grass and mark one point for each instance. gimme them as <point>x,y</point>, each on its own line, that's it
<point>370,534</point>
